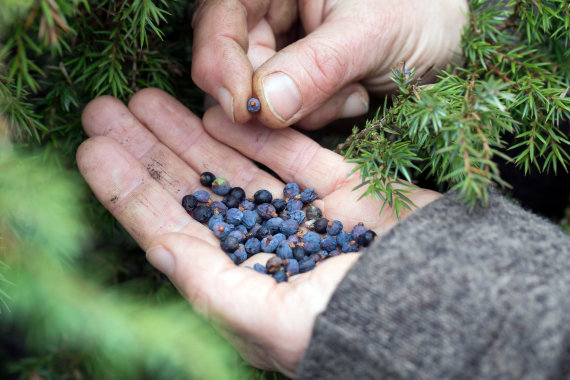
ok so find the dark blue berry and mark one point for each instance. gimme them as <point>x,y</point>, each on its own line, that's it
<point>328,243</point>
<point>289,227</point>
<point>344,237</point>
<point>292,267</point>
<point>219,208</point>
<point>321,225</point>
<point>207,178</point>
<point>334,253</point>
<point>334,227</point>
<point>311,246</point>
<point>230,244</point>
<point>214,219</point>
<point>313,212</point>
<point>234,216</point>
<point>249,218</point>
<point>284,251</point>
<point>252,246</point>
<point>293,239</point>
<point>202,213</point>
<point>351,246</point>
<point>311,236</point>
<point>262,196</point>
<point>240,254</point>
<point>298,216</point>
<point>247,205</point>
<point>308,195</point>
<point>269,244</point>
<point>262,232</point>
<point>280,276</point>
<point>274,225</point>
<point>279,237</point>
<point>253,105</point>
<point>221,186</point>
<point>266,211</point>
<point>366,238</point>
<point>221,230</point>
<point>306,266</point>
<point>279,204</point>
<point>238,193</point>
<point>202,196</point>
<point>299,253</point>
<point>238,235</point>
<point>189,202</point>
<point>290,190</point>
<point>358,230</point>
<point>230,201</point>
<point>294,204</point>
<point>259,268</point>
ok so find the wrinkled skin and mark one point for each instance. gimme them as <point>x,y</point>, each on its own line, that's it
<point>142,159</point>
<point>347,48</point>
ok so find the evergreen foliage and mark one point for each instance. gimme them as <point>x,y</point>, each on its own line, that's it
<point>505,98</point>
<point>513,81</point>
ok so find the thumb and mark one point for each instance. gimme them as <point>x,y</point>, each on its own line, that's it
<point>303,76</point>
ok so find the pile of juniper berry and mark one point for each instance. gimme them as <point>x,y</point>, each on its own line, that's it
<point>291,227</point>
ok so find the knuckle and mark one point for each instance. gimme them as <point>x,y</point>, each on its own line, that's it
<point>329,65</point>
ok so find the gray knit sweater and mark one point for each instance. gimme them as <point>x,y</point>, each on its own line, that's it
<point>449,294</point>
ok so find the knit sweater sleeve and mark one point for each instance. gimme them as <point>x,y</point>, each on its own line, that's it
<point>450,294</point>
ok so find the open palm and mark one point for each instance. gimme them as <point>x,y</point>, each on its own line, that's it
<point>142,159</point>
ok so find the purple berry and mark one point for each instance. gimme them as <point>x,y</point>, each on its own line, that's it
<point>214,219</point>
<point>189,202</point>
<point>221,186</point>
<point>344,237</point>
<point>274,225</point>
<point>294,204</point>
<point>253,105</point>
<point>252,246</point>
<point>234,216</point>
<point>207,178</point>
<point>328,243</point>
<point>248,219</point>
<point>290,190</point>
<point>298,215</point>
<point>279,237</point>
<point>284,251</point>
<point>232,257</point>
<point>247,205</point>
<point>221,230</point>
<point>238,193</point>
<point>334,227</point>
<point>269,244</point>
<point>311,236</point>
<point>351,246</point>
<point>366,238</point>
<point>240,254</point>
<point>358,230</point>
<point>289,227</point>
<point>334,253</point>
<point>219,208</point>
<point>230,201</point>
<point>202,196</point>
<point>306,266</point>
<point>293,239</point>
<point>266,210</point>
<point>308,195</point>
<point>292,267</point>
<point>311,246</point>
<point>299,253</point>
<point>238,235</point>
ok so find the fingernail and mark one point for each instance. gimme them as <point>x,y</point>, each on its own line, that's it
<point>354,105</point>
<point>161,259</point>
<point>282,95</point>
<point>227,102</point>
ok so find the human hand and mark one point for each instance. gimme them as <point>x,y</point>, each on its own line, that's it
<point>350,47</point>
<point>142,159</point>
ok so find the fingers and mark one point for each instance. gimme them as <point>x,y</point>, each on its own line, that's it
<point>124,186</point>
<point>350,101</point>
<point>108,116</point>
<point>221,37</point>
<point>293,156</point>
<point>176,127</point>
<point>300,78</point>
